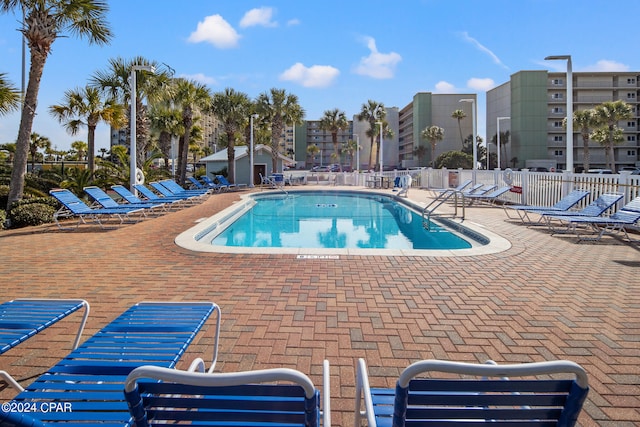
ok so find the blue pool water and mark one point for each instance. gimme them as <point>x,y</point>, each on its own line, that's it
<point>335,220</point>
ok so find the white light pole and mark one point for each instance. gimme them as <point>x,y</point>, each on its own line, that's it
<point>473,139</point>
<point>569,148</point>
<point>381,148</point>
<point>132,124</point>
<point>498,139</point>
<point>251,177</point>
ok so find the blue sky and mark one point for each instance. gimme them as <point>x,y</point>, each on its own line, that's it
<point>336,54</point>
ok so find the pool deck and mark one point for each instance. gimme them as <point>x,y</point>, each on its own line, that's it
<point>543,298</point>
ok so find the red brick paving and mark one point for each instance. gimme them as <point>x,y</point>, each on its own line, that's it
<point>544,298</point>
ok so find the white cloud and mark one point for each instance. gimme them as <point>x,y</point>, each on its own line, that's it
<point>607,65</point>
<point>258,17</point>
<point>314,76</point>
<point>481,84</point>
<point>445,87</point>
<point>201,78</point>
<point>377,65</point>
<point>466,37</point>
<point>293,22</point>
<point>215,30</point>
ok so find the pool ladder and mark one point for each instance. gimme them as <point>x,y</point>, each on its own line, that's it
<point>457,197</point>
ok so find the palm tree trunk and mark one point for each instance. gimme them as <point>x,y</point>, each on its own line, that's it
<point>231,158</point>
<point>586,161</point>
<point>16,190</point>
<point>91,143</point>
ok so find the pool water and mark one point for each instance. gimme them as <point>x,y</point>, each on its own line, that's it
<point>335,220</point>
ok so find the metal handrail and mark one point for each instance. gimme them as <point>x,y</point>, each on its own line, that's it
<point>458,201</point>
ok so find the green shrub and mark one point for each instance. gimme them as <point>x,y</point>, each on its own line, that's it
<point>3,218</point>
<point>33,211</point>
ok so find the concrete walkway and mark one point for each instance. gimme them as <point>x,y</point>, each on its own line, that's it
<point>544,298</point>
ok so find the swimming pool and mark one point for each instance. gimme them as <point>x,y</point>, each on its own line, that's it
<point>331,222</point>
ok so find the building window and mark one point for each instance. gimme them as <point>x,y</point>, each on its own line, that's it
<point>631,81</point>
<point>558,138</point>
<point>558,96</point>
<point>631,95</point>
<point>631,153</point>
<point>558,153</point>
<point>558,110</point>
<point>557,82</point>
<point>631,124</point>
<point>631,138</point>
<point>557,124</point>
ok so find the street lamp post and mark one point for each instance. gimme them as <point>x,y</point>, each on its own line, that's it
<point>132,124</point>
<point>381,148</point>
<point>569,148</point>
<point>498,139</point>
<point>473,139</point>
<point>251,177</point>
<point>358,153</point>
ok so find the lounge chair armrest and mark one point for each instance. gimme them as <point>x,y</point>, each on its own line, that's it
<point>363,392</point>
<point>197,365</point>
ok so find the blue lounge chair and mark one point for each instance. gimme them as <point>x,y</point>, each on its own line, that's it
<point>628,215</point>
<point>490,197</point>
<point>166,396</point>
<point>478,189</point>
<point>105,201</point>
<point>21,319</point>
<point>599,206</point>
<point>151,196</point>
<point>564,204</point>
<point>460,187</point>
<point>184,194</point>
<point>132,199</point>
<point>72,207</point>
<point>176,189</point>
<point>449,400</point>
<point>222,180</point>
<point>86,386</point>
<point>197,185</point>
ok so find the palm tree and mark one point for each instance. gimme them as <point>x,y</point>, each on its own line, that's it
<point>313,150</point>
<point>334,121</point>
<point>232,108</point>
<point>191,97</point>
<point>433,134</point>
<point>37,142</point>
<point>608,138</point>
<point>585,121</point>
<point>372,112</point>
<point>420,152</point>
<point>9,96</point>
<point>350,148</point>
<point>85,107</point>
<point>167,122</point>
<point>459,115</point>
<point>609,114</point>
<point>278,108</point>
<point>44,22</point>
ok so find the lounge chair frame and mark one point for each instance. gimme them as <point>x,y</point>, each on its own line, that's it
<point>20,319</point>
<point>73,207</point>
<point>240,398</point>
<point>89,380</point>
<point>491,397</point>
<point>564,204</point>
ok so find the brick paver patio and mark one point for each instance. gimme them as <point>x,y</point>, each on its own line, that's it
<point>544,298</point>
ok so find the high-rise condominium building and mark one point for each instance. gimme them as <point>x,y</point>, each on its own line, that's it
<point>533,104</point>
